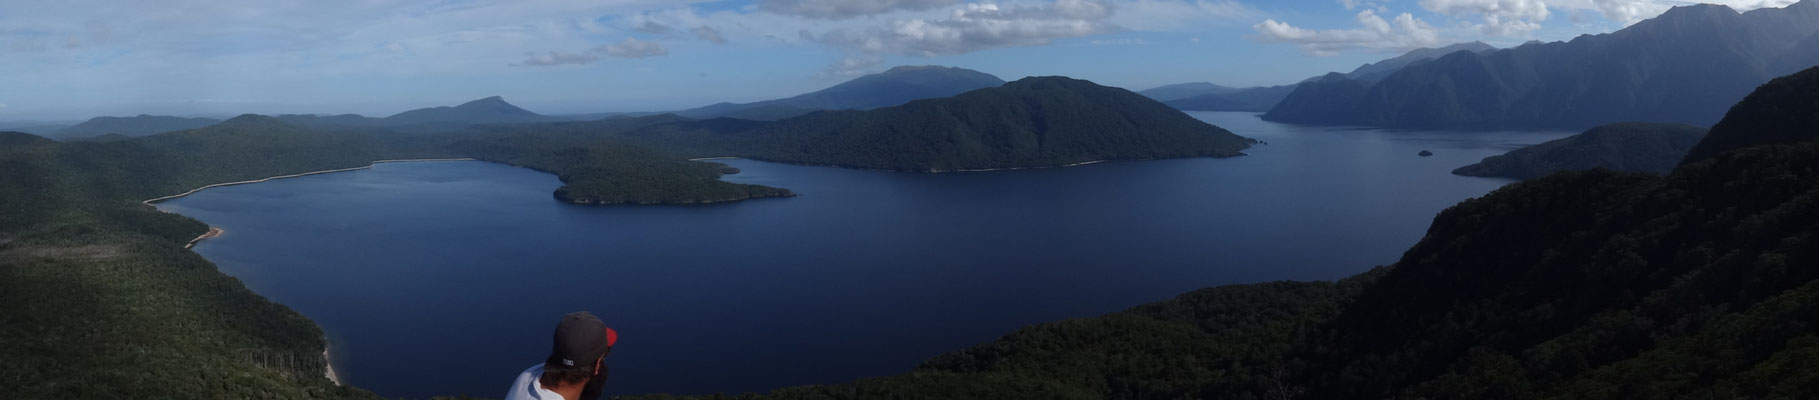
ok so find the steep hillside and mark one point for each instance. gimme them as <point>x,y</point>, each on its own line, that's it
<point>1782,111</point>
<point>1628,147</point>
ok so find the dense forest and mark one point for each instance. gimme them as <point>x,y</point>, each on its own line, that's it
<point>1628,147</point>
<point>1590,284</point>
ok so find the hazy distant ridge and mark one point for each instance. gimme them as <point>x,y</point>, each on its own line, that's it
<point>1687,65</point>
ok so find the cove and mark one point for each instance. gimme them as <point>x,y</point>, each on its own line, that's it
<point>445,278</point>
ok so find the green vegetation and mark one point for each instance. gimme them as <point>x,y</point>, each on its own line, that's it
<point>1630,147</point>
<point>102,300</point>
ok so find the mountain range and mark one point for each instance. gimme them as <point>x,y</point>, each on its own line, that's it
<point>1203,96</point>
<point>140,125</point>
<point>1687,65</point>
<point>889,88</point>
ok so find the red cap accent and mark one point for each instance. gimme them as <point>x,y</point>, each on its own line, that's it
<point>612,337</point>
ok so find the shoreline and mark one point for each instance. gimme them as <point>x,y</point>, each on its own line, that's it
<point>938,171</point>
<point>213,232</point>
<point>329,365</point>
<point>929,171</point>
<point>152,201</point>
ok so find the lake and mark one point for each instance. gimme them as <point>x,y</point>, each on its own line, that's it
<point>447,278</point>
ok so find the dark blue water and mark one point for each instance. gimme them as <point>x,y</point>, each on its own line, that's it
<point>448,277</point>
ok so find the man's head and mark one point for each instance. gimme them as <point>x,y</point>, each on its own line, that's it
<point>581,343</point>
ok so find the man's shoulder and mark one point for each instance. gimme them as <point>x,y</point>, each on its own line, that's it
<point>526,386</point>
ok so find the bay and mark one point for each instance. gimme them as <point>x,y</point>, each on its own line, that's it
<point>446,278</point>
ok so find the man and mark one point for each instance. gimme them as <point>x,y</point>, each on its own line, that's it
<point>576,367</point>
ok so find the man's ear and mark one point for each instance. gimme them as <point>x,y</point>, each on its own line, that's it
<point>597,363</point>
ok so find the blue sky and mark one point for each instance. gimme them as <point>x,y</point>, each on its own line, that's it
<point>77,59</point>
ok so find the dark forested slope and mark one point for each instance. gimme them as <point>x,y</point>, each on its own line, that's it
<point>1630,147</point>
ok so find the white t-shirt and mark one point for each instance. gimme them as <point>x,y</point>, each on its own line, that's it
<point>527,387</point>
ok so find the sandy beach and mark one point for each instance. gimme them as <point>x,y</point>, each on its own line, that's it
<point>213,232</point>
<point>329,365</point>
<point>374,163</point>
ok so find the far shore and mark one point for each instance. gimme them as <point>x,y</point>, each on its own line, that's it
<point>931,171</point>
<point>374,163</point>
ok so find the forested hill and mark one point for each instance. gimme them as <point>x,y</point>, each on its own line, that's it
<point>1780,112</point>
<point>1629,147</point>
<point>1687,65</point>
<point>491,110</point>
<point>1700,284</point>
<point>1032,122</point>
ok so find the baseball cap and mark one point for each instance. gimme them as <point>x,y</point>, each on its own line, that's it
<point>580,339</point>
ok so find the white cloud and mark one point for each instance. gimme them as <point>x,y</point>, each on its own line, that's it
<point>843,9</point>
<point>1404,33</point>
<point>1179,15</point>
<point>854,65</point>
<point>978,27</point>
<point>1500,17</point>
<point>1118,42</point>
<point>634,48</point>
<point>649,26</point>
<point>629,48</point>
<point>709,34</point>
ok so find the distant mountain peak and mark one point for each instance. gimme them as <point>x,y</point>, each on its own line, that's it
<point>913,68</point>
<point>491,109</point>
<point>486,100</point>
<point>251,119</point>
<point>896,86</point>
<point>1696,11</point>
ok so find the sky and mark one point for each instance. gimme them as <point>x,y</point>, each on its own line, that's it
<point>75,59</point>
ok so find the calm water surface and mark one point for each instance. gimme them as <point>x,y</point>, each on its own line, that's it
<point>447,278</point>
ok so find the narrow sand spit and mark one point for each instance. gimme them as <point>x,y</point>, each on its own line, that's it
<point>193,191</point>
